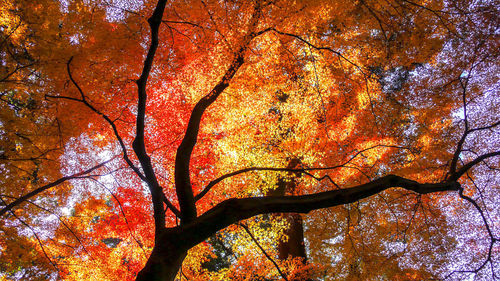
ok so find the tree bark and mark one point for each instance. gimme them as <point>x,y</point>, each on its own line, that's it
<point>293,246</point>
<point>166,258</point>
<point>172,244</point>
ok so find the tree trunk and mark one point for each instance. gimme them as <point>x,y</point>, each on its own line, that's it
<point>294,246</point>
<point>165,259</point>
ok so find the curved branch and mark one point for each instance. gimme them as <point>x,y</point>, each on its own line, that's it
<point>464,84</point>
<point>437,14</point>
<point>157,195</point>
<point>104,116</point>
<point>319,48</point>
<point>251,169</point>
<point>474,203</point>
<point>36,236</point>
<point>493,239</point>
<point>48,186</point>
<point>296,170</point>
<point>182,159</point>
<point>455,176</point>
<point>64,224</point>
<point>485,127</point>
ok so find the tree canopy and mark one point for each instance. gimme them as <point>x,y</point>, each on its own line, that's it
<point>249,140</point>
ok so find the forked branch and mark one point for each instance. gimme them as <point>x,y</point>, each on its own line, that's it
<point>104,116</point>
<point>465,168</point>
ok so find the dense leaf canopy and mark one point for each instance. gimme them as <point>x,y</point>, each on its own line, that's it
<point>249,140</point>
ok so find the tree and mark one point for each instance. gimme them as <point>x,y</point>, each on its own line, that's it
<point>160,139</point>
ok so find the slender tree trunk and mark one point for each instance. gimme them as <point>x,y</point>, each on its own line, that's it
<point>293,247</point>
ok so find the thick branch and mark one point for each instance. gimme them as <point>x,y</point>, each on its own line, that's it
<point>233,210</point>
<point>456,155</point>
<point>48,186</point>
<point>138,144</point>
<point>184,151</point>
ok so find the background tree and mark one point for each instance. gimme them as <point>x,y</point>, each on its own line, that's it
<point>159,139</point>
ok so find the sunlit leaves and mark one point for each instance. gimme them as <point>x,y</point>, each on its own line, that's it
<point>359,90</point>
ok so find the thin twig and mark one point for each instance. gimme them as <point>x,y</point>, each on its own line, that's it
<point>21,199</point>
<point>283,275</point>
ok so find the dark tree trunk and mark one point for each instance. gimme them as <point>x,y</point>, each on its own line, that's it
<point>294,246</point>
<point>165,259</point>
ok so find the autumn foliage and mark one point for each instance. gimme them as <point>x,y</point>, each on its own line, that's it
<point>249,140</point>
